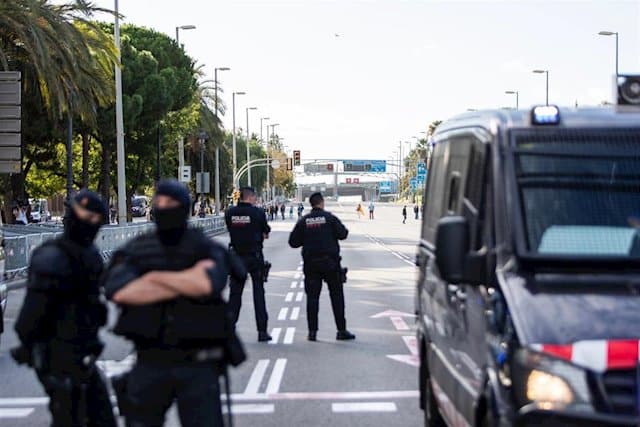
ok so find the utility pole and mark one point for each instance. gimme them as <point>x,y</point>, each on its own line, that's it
<point>217,183</point>
<point>122,182</point>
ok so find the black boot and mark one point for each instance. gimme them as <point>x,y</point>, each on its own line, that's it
<point>345,336</point>
<point>312,335</point>
<point>264,337</point>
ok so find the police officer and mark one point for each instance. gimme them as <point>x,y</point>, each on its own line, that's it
<point>168,284</point>
<point>248,229</point>
<point>61,315</point>
<point>318,233</point>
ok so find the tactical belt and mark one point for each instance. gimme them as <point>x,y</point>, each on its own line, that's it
<point>179,355</point>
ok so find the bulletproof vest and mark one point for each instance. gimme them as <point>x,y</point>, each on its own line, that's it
<point>182,322</point>
<point>244,229</point>
<point>80,313</point>
<point>319,235</point>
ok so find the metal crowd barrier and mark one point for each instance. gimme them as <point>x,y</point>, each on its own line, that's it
<point>20,241</point>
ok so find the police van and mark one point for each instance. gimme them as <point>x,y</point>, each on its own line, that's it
<point>528,296</point>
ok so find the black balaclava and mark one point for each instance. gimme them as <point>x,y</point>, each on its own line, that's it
<point>172,222</point>
<point>76,230</point>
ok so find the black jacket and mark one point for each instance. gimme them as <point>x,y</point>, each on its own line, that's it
<point>318,233</point>
<point>247,226</point>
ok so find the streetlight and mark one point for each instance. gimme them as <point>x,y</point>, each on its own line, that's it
<point>183,27</point>
<point>248,152</point>
<point>612,33</point>
<point>122,183</point>
<point>215,78</point>
<point>235,165</point>
<point>517,94</point>
<point>261,120</point>
<point>547,73</point>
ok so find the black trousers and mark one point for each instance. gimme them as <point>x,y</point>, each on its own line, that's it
<point>152,388</point>
<point>315,272</point>
<point>78,400</point>
<point>255,266</point>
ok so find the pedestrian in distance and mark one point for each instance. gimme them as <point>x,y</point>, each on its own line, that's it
<point>291,212</point>
<point>416,211</point>
<point>318,233</point>
<point>371,209</point>
<point>168,284</point>
<point>282,209</point>
<point>360,211</point>
<point>62,313</point>
<point>247,230</point>
<point>404,214</point>
<point>300,210</point>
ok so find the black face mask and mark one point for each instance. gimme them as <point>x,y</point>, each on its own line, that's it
<point>171,224</point>
<point>78,231</point>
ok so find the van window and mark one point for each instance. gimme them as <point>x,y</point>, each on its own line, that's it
<point>434,193</point>
<point>454,193</point>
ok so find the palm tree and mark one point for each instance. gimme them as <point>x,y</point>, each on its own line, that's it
<point>65,58</point>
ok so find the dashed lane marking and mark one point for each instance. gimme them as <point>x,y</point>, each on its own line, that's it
<point>257,376</point>
<point>283,313</point>
<point>275,335</point>
<point>339,408</point>
<point>300,268</point>
<point>289,297</point>
<point>251,408</point>
<point>399,323</point>
<point>294,285</point>
<point>298,275</point>
<point>295,313</point>
<point>273,386</point>
<point>15,412</point>
<point>299,296</point>
<point>288,336</point>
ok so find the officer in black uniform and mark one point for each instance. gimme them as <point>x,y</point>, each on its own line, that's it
<point>61,315</point>
<point>168,284</point>
<point>318,233</point>
<point>248,228</point>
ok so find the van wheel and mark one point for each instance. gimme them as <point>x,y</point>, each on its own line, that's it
<point>432,417</point>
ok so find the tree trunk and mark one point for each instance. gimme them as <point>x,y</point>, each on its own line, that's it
<point>86,139</point>
<point>106,173</point>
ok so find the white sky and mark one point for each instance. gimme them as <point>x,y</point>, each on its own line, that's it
<point>396,65</point>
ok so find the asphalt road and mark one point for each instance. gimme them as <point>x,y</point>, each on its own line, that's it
<point>293,382</point>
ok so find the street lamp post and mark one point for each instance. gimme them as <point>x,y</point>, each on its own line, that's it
<point>547,73</point>
<point>612,33</point>
<point>517,94</point>
<point>202,141</point>
<point>217,190</point>
<point>122,183</point>
<point>248,151</point>
<point>235,162</point>
<point>183,27</point>
<point>273,132</point>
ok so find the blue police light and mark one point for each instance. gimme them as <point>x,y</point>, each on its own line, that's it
<point>545,115</point>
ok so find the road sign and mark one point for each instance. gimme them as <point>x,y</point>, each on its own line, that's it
<point>203,183</point>
<point>289,164</point>
<point>385,187</point>
<point>10,122</point>
<point>413,182</point>
<point>348,181</point>
<point>184,174</point>
<point>275,164</point>
<point>356,180</point>
<point>421,169</point>
<point>377,166</point>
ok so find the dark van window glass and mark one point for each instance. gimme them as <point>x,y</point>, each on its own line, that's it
<point>580,191</point>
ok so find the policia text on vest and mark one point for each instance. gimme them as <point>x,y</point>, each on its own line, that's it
<point>318,234</point>
<point>248,228</point>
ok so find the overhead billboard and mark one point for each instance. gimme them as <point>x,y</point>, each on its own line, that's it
<point>376,166</point>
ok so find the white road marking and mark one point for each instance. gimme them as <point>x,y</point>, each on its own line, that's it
<point>412,344</point>
<point>289,297</point>
<point>363,407</point>
<point>295,313</point>
<point>410,359</point>
<point>298,275</point>
<point>249,408</point>
<point>288,336</point>
<point>15,412</point>
<point>112,368</point>
<point>299,296</point>
<point>399,323</point>
<point>23,401</point>
<point>294,285</point>
<point>256,377</point>
<point>300,268</point>
<point>283,313</point>
<point>276,377</point>
<point>275,334</point>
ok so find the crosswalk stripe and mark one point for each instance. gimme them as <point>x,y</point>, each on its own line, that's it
<point>294,285</point>
<point>299,296</point>
<point>251,408</point>
<point>275,335</point>
<point>283,313</point>
<point>288,336</point>
<point>295,313</point>
<point>15,412</point>
<point>289,297</point>
<point>276,376</point>
<point>256,377</point>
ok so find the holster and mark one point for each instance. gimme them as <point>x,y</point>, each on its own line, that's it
<point>68,399</point>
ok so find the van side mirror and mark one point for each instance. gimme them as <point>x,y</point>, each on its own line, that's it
<point>454,259</point>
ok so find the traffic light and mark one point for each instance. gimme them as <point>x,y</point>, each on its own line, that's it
<point>296,157</point>
<point>289,164</point>
<point>236,196</point>
<point>330,167</point>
